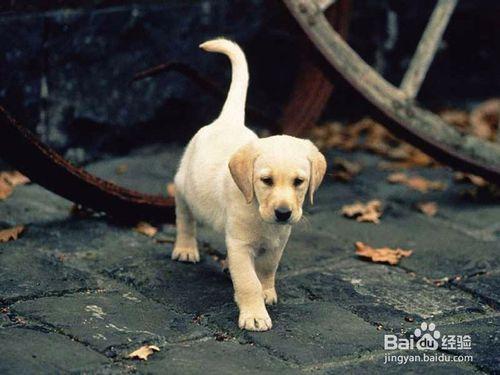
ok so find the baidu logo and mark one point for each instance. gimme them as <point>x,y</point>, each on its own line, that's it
<point>427,337</point>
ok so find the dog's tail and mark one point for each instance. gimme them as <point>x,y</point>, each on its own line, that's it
<point>234,107</point>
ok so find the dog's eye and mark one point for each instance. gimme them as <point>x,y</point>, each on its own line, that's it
<point>267,180</point>
<point>298,182</point>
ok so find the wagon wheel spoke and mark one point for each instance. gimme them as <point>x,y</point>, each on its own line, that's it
<point>427,47</point>
<point>418,126</point>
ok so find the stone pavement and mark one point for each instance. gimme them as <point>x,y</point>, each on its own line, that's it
<point>79,294</point>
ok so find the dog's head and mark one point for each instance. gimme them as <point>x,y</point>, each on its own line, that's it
<point>278,171</point>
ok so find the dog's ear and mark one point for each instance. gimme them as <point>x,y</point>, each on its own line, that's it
<point>241,168</point>
<point>318,170</point>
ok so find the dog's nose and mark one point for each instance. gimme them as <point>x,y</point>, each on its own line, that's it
<point>282,214</point>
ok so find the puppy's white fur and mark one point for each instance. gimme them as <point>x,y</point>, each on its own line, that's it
<point>250,189</point>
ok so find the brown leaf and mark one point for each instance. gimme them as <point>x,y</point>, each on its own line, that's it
<point>14,178</point>
<point>485,118</point>
<point>369,212</point>
<point>146,229</point>
<point>369,135</point>
<point>416,182</point>
<point>9,180</point>
<point>122,169</point>
<point>11,234</point>
<point>470,178</point>
<point>456,117</point>
<point>345,170</point>
<point>381,255</point>
<point>428,208</point>
<point>144,352</point>
<point>171,189</point>
<point>5,189</point>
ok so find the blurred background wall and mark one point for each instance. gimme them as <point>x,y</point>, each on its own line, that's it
<point>65,66</point>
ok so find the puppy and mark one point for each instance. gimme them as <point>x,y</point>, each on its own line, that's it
<point>249,189</point>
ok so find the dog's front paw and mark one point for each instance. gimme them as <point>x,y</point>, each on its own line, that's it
<point>270,296</point>
<point>255,321</point>
<point>186,254</point>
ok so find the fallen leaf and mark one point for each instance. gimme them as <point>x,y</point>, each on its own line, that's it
<point>14,178</point>
<point>11,234</point>
<point>171,189</point>
<point>222,261</point>
<point>485,119</point>
<point>381,255</point>
<point>470,178</point>
<point>222,336</point>
<point>456,117</point>
<point>9,180</point>
<point>369,212</point>
<point>83,212</point>
<point>345,170</point>
<point>428,208</point>
<point>146,229</point>
<point>5,189</point>
<point>122,169</point>
<point>369,135</point>
<point>144,352</point>
<point>416,182</point>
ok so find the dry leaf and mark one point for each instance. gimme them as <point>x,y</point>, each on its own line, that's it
<point>345,170</point>
<point>122,169</point>
<point>14,178</point>
<point>369,212</point>
<point>470,178</point>
<point>369,135</point>
<point>416,182</point>
<point>146,229</point>
<point>428,208</point>
<point>171,189</point>
<point>456,117</point>
<point>485,119</point>
<point>11,234</point>
<point>144,352</point>
<point>9,180</point>
<point>222,261</point>
<point>5,189</point>
<point>381,255</point>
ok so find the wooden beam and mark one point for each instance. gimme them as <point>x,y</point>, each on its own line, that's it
<point>427,47</point>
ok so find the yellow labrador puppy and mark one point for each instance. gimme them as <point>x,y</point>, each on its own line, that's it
<point>248,188</point>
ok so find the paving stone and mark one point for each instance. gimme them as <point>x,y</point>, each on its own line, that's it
<point>146,171</point>
<point>486,286</point>
<point>475,218</point>
<point>435,256</point>
<point>214,357</point>
<point>93,245</point>
<point>381,295</point>
<point>308,248</point>
<point>377,365</point>
<point>193,288</point>
<point>485,338</point>
<point>330,302</point>
<point>111,319</point>
<point>26,351</point>
<point>25,273</point>
<point>33,204</point>
<point>308,333</point>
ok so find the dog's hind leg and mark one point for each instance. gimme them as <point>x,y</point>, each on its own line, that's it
<point>185,248</point>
